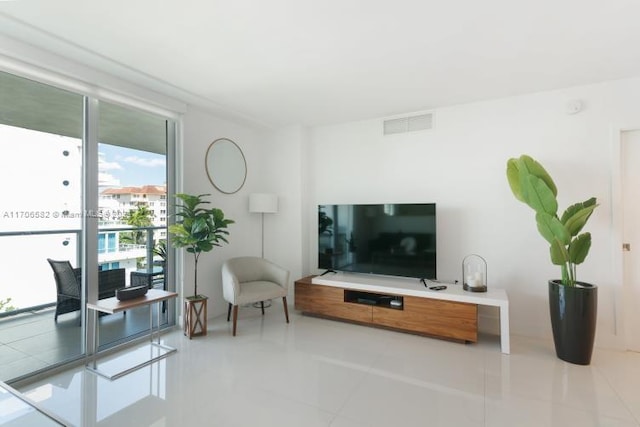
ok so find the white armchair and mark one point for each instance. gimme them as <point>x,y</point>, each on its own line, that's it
<point>247,280</point>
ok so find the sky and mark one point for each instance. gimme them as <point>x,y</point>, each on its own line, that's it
<point>129,167</point>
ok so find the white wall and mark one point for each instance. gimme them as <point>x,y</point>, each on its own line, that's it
<point>460,165</point>
<point>283,166</point>
<point>200,129</point>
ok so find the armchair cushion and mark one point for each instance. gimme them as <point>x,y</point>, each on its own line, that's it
<point>251,279</point>
<point>259,290</point>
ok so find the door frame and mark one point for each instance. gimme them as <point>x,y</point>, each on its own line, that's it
<point>621,300</point>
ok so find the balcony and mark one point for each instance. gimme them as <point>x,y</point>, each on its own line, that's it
<point>30,339</point>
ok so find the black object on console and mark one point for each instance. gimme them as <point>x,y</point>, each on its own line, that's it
<point>131,292</point>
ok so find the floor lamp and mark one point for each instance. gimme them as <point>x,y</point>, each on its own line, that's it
<point>263,203</point>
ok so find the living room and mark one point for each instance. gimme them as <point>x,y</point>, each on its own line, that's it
<point>576,127</point>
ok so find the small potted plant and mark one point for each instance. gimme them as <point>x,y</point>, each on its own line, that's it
<point>198,230</point>
<point>572,304</point>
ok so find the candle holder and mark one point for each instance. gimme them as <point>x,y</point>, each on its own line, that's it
<point>474,273</point>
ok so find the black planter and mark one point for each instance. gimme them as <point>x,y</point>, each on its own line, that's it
<point>573,320</point>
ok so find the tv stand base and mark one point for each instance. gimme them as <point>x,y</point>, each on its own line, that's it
<point>431,317</point>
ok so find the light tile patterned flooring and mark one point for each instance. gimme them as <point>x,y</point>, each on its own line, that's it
<point>316,372</point>
<point>33,341</point>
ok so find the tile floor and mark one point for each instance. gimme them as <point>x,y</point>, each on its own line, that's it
<point>33,341</point>
<point>316,372</point>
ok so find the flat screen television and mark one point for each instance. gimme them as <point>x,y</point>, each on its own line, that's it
<point>386,239</point>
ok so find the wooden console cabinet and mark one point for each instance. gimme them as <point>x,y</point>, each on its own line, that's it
<point>422,315</point>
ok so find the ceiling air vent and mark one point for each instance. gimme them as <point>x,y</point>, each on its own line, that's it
<point>408,124</point>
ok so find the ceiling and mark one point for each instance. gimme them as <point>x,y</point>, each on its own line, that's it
<point>313,62</point>
<point>31,105</point>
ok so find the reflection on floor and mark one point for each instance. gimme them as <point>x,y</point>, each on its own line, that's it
<point>16,411</point>
<point>33,341</point>
<point>316,372</point>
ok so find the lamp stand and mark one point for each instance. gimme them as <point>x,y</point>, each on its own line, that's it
<point>262,254</point>
<point>263,203</point>
<point>262,304</point>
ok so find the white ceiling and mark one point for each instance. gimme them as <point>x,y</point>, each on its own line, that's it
<point>313,62</point>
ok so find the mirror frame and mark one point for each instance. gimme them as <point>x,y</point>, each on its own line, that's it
<point>209,168</point>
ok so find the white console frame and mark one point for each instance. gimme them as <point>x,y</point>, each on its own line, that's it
<point>412,287</point>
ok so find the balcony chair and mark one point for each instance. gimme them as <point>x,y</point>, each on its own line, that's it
<point>68,285</point>
<point>109,281</point>
<point>152,280</point>
<point>247,280</point>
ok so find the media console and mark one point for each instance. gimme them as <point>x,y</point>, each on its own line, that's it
<point>401,304</point>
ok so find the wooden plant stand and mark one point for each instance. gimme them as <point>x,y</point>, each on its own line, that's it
<point>195,316</point>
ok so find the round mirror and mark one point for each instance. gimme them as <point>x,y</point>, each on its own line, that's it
<point>226,166</point>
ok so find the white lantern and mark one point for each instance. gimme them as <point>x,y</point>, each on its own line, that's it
<point>474,273</point>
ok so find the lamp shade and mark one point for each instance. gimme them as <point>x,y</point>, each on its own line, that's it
<point>263,203</point>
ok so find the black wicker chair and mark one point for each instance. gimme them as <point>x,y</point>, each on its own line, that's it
<point>67,285</point>
<point>109,281</point>
<point>151,281</point>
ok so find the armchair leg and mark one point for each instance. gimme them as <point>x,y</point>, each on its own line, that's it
<point>262,307</point>
<point>235,319</point>
<point>229,312</point>
<point>286,309</point>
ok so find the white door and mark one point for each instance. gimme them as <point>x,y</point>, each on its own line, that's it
<point>630,154</point>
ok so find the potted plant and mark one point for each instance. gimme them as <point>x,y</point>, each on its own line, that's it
<point>199,230</point>
<point>572,304</point>
<point>160,249</point>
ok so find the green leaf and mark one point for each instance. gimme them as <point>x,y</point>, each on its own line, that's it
<point>571,210</point>
<point>552,229</point>
<point>534,168</point>
<point>199,225</point>
<point>539,196</point>
<point>513,176</point>
<point>558,252</point>
<point>579,248</point>
<point>205,246</point>
<point>176,229</point>
<point>576,216</point>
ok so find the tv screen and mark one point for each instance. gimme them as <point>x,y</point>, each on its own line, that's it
<point>386,239</point>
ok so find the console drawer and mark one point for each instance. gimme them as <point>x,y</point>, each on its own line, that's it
<point>328,301</point>
<point>454,320</point>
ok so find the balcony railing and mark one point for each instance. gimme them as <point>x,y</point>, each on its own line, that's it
<point>27,277</point>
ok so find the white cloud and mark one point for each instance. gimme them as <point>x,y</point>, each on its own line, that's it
<point>106,166</point>
<point>150,163</point>
<point>107,180</point>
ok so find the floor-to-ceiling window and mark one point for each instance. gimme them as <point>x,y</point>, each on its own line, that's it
<point>132,230</point>
<point>41,145</point>
<point>45,185</point>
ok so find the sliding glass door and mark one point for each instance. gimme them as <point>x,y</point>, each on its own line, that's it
<point>132,230</point>
<point>41,166</point>
<point>49,179</point>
